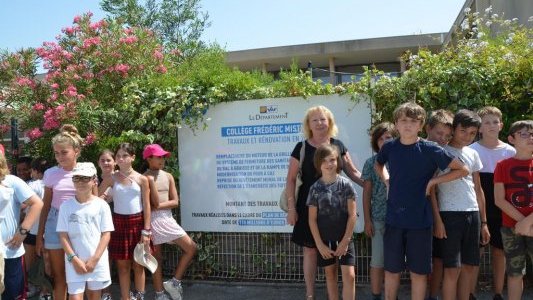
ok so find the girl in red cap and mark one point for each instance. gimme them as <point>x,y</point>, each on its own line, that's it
<point>164,227</point>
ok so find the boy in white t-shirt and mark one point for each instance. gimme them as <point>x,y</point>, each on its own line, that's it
<point>491,150</point>
<point>84,225</point>
<point>14,192</point>
<point>459,212</point>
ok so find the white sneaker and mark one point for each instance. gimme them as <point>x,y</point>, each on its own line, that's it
<point>106,296</point>
<point>161,296</point>
<point>174,289</point>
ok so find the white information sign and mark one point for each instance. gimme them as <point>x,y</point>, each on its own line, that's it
<point>232,174</point>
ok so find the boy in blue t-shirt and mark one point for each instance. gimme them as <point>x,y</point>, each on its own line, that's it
<point>412,163</point>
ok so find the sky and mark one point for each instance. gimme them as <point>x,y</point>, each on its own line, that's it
<point>249,24</point>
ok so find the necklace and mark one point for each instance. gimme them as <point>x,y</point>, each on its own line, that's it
<point>126,175</point>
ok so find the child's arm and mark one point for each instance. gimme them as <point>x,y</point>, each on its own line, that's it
<point>525,227</point>
<point>145,194</point>
<point>342,247</point>
<point>77,263</point>
<point>480,197</point>
<point>154,195</point>
<point>173,198</point>
<point>324,250</point>
<point>104,188</point>
<point>47,203</point>
<point>509,209</point>
<point>457,170</point>
<point>504,205</point>
<point>439,231</point>
<point>35,204</point>
<point>382,172</point>
<point>350,170</point>
<point>91,263</point>
<point>367,207</point>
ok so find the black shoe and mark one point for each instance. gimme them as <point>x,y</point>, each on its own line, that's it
<point>498,297</point>
<point>472,297</point>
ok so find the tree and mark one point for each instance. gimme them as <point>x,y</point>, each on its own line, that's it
<point>179,23</point>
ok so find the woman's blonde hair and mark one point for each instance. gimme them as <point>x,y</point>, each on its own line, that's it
<point>4,169</point>
<point>68,134</point>
<point>332,130</point>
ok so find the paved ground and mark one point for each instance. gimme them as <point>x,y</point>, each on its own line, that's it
<point>202,290</point>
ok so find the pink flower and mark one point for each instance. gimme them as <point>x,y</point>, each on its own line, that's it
<point>95,26</point>
<point>161,69</point>
<point>59,108</point>
<point>51,123</point>
<point>71,91</point>
<point>90,138</point>
<point>55,86</point>
<point>157,55</point>
<point>69,30</point>
<point>129,39</point>
<point>23,81</point>
<point>122,68</point>
<point>38,106</point>
<point>34,134</point>
<point>54,96</point>
<point>91,42</point>
<point>77,19</point>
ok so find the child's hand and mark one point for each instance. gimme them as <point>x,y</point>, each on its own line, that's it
<point>439,231</point>
<point>325,251</point>
<point>79,265</point>
<point>523,228</point>
<point>369,228</point>
<point>90,264</point>
<point>485,234</point>
<point>145,240</point>
<point>342,248</point>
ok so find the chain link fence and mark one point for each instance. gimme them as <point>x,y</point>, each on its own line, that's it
<point>269,257</point>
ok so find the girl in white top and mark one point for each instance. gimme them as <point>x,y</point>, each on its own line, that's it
<point>67,146</point>
<point>163,198</point>
<point>84,226</point>
<point>131,217</point>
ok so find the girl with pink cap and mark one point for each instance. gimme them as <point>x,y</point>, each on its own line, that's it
<point>165,229</point>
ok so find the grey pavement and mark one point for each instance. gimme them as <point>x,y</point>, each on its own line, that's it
<point>202,290</point>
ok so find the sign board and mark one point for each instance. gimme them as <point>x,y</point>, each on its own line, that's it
<point>232,174</point>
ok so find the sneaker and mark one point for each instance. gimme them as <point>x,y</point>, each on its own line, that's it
<point>133,295</point>
<point>45,297</point>
<point>106,296</point>
<point>173,287</point>
<point>32,290</point>
<point>161,296</point>
<point>498,297</point>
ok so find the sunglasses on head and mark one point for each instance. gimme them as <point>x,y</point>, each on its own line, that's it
<point>81,178</point>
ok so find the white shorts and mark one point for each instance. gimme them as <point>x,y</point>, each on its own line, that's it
<point>79,287</point>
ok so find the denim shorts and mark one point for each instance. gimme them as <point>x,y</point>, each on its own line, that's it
<point>51,237</point>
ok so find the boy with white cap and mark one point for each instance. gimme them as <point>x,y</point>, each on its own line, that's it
<point>84,226</point>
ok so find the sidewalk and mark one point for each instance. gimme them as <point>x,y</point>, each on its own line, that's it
<point>221,290</point>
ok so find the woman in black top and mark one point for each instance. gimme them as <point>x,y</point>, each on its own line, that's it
<point>319,128</point>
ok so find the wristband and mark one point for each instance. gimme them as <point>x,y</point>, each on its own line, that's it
<point>145,232</point>
<point>70,257</point>
<point>483,223</point>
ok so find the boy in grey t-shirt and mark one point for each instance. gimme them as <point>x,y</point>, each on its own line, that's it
<point>459,211</point>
